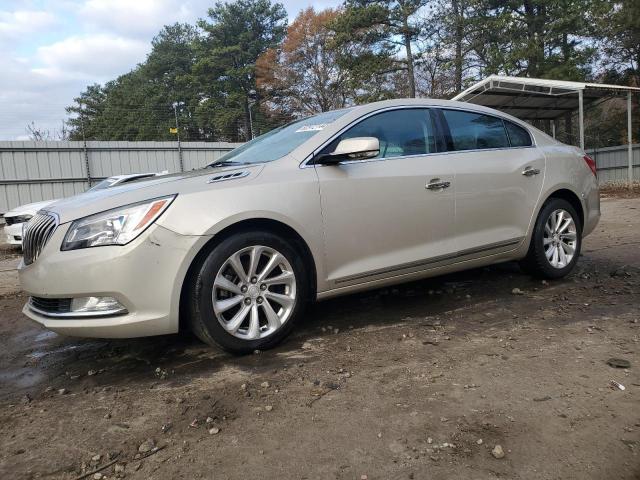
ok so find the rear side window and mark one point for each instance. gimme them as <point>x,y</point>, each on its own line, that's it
<point>474,131</point>
<point>401,133</point>
<point>518,136</point>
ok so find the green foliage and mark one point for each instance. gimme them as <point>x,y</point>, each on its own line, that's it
<point>535,39</point>
<point>376,39</point>
<point>236,35</point>
<point>209,75</point>
<point>139,105</point>
<point>240,71</point>
<point>619,30</point>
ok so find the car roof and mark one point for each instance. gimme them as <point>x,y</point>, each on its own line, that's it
<point>427,102</point>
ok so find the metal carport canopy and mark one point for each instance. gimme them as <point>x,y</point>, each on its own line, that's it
<point>546,99</point>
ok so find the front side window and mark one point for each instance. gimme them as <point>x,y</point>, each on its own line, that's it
<point>474,131</point>
<point>400,133</point>
<point>518,136</point>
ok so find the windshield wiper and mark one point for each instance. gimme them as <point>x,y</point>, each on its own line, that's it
<point>224,163</point>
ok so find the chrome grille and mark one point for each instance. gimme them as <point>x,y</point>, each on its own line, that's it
<point>36,235</point>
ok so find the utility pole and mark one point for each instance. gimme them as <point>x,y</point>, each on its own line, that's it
<point>251,101</point>
<point>251,122</point>
<point>175,113</point>
<point>84,145</point>
<point>629,141</point>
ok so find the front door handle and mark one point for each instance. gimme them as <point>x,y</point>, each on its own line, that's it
<point>530,171</point>
<point>436,184</point>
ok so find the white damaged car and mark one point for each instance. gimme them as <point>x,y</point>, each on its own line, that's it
<point>16,218</point>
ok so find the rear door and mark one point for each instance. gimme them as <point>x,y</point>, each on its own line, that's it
<point>499,175</point>
<point>380,219</point>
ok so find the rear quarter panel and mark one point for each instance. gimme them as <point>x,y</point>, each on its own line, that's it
<point>567,170</point>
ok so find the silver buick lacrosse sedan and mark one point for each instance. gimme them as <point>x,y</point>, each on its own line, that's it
<point>335,203</point>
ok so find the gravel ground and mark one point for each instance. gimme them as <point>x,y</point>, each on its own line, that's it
<point>422,381</point>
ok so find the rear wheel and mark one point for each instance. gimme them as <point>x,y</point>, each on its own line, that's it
<point>556,241</point>
<point>248,292</point>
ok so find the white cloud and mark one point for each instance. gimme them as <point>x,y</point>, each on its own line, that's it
<point>21,22</point>
<point>51,50</point>
<point>140,18</point>
<point>26,96</point>
<point>98,57</point>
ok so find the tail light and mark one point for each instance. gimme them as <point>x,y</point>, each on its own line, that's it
<point>591,163</point>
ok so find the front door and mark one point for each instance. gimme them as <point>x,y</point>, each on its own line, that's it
<point>380,218</point>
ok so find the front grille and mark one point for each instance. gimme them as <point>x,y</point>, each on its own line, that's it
<point>36,235</point>
<point>51,305</point>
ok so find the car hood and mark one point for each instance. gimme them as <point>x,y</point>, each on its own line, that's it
<point>29,208</point>
<point>89,203</point>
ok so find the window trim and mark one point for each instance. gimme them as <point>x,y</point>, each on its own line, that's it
<point>430,111</point>
<point>439,123</point>
<point>447,134</point>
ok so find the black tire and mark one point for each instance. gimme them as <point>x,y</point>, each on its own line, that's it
<point>536,262</point>
<point>201,317</point>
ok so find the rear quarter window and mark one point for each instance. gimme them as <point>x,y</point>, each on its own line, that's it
<point>518,136</point>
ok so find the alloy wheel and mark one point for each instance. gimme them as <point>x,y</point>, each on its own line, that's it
<point>254,292</point>
<point>560,238</point>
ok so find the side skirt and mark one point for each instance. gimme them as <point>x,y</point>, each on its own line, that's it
<point>431,263</point>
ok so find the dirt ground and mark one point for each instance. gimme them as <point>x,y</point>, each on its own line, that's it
<point>421,381</point>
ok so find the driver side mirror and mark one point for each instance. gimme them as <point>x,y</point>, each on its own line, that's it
<point>358,148</point>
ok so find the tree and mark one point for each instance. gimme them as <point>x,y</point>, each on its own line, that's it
<point>303,76</point>
<point>167,75</point>
<point>377,37</point>
<point>39,134</point>
<point>535,38</point>
<point>138,104</point>
<point>457,37</point>
<point>225,70</point>
<point>619,32</point>
<point>86,115</point>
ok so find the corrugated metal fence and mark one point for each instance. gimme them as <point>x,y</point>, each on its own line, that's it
<point>613,163</point>
<point>35,171</point>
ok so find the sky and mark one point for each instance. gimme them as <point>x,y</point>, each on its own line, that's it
<point>51,50</point>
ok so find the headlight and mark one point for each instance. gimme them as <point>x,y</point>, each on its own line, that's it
<point>115,227</point>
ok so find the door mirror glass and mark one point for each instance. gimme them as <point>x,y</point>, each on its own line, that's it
<point>357,148</point>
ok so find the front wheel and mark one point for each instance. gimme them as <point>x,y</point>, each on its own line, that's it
<point>248,292</point>
<point>556,241</point>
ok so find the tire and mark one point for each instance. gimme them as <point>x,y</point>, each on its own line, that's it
<point>234,328</point>
<point>541,261</point>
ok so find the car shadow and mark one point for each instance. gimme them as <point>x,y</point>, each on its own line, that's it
<point>58,362</point>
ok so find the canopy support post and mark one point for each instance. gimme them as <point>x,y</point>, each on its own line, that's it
<point>629,141</point>
<point>581,117</point>
<point>553,128</point>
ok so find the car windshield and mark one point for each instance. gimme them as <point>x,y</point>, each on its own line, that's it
<point>106,183</point>
<point>281,141</point>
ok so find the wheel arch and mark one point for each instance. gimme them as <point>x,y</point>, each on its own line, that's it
<point>276,227</point>
<point>571,197</point>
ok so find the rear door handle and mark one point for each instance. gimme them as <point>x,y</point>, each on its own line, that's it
<point>436,184</point>
<point>530,171</point>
